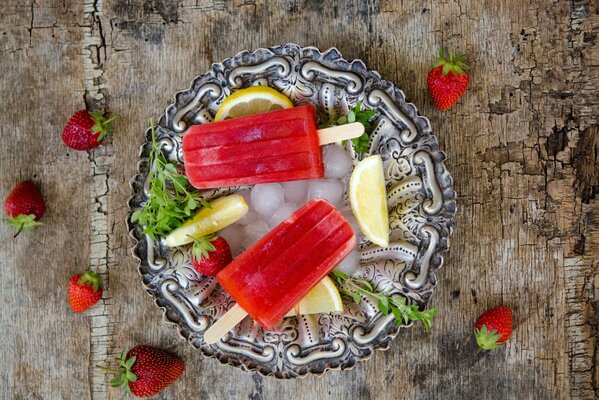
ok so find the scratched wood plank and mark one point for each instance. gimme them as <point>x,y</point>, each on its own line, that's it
<point>522,147</point>
<point>44,346</point>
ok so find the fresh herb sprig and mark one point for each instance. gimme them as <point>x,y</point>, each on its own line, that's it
<point>404,313</point>
<point>364,117</point>
<point>170,202</point>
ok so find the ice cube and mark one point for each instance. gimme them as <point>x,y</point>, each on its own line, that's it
<point>350,264</point>
<point>234,235</point>
<point>267,198</point>
<point>328,189</point>
<point>281,214</point>
<point>256,230</point>
<point>295,191</point>
<point>337,162</point>
<point>349,216</point>
<point>251,215</point>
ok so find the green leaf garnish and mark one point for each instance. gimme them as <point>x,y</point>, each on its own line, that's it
<point>356,114</point>
<point>353,288</point>
<point>170,201</point>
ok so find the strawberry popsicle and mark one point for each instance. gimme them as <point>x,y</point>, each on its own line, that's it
<point>273,275</point>
<point>277,146</point>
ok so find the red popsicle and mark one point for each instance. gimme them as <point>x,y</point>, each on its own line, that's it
<point>277,146</point>
<point>273,275</point>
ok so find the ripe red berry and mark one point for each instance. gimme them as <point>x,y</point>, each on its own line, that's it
<point>24,207</point>
<point>493,328</point>
<point>84,291</point>
<point>210,255</point>
<point>448,80</point>
<point>146,370</point>
<point>86,130</point>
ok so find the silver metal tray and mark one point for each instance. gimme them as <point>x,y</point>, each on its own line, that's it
<point>421,205</point>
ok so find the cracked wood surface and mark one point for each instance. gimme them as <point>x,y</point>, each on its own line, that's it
<point>522,146</point>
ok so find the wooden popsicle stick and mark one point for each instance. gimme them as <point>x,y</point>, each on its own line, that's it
<point>225,324</point>
<point>339,133</point>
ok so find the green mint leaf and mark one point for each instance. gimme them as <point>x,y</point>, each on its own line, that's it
<point>383,305</point>
<point>351,117</point>
<point>170,200</point>
<point>354,287</point>
<point>398,316</point>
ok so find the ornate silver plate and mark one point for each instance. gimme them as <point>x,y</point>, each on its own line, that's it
<point>420,197</point>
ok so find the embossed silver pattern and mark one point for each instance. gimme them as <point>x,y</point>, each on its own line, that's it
<point>420,198</point>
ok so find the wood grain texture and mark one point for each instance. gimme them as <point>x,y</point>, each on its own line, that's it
<point>522,146</point>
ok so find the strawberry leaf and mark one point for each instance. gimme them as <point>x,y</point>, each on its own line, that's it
<point>202,246</point>
<point>487,340</point>
<point>129,363</point>
<point>23,222</point>
<point>102,124</point>
<point>90,278</point>
<point>453,62</point>
<point>124,374</point>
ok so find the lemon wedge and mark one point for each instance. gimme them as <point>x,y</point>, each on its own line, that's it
<point>222,212</point>
<point>368,199</point>
<point>253,100</point>
<point>322,298</point>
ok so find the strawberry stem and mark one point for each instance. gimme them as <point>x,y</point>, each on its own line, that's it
<point>123,374</point>
<point>106,369</point>
<point>452,62</point>
<point>19,231</point>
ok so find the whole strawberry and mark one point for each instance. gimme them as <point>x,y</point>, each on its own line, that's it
<point>84,291</point>
<point>493,328</point>
<point>24,207</point>
<point>210,254</point>
<point>86,130</point>
<point>448,80</point>
<point>146,370</point>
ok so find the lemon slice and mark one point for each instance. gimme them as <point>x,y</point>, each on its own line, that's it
<point>322,298</point>
<point>253,100</point>
<point>368,199</point>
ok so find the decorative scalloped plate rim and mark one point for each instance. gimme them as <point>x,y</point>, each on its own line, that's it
<point>389,330</point>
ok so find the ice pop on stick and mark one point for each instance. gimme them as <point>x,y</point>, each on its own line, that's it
<point>277,146</point>
<point>270,277</point>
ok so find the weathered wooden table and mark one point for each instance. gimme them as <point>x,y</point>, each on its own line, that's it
<point>522,146</point>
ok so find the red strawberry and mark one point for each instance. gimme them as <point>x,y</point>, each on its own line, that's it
<point>210,254</point>
<point>448,80</point>
<point>84,291</point>
<point>146,370</point>
<point>85,130</point>
<point>24,206</point>
<point>493,328</point>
